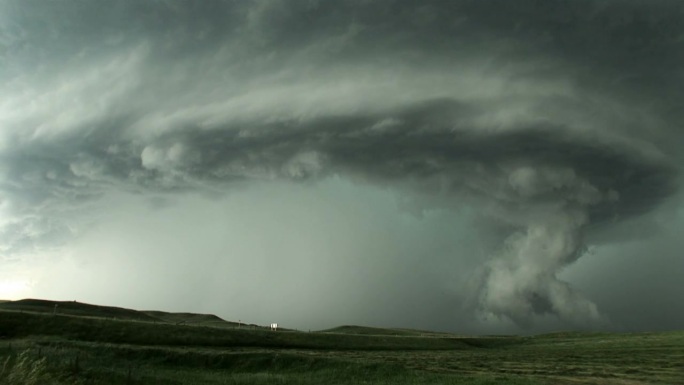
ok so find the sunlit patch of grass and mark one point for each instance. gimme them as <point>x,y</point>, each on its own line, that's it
<point>26,369</point>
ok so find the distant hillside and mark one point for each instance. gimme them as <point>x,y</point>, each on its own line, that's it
<point>366,330</point>
<point>76,308</point>
<point>17,325</point>
<point>573,334</point>
<point>190,318</point>
<point>428,333</point>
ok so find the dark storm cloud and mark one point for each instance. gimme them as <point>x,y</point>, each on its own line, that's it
<point>419,143</point>
<point>556,118</point>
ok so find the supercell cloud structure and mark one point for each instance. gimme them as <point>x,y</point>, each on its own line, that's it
<point>558,123</point>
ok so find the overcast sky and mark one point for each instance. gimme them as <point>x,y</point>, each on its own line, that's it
<point>469,166</point>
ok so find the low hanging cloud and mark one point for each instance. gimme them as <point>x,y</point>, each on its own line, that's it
<point>554,123</point>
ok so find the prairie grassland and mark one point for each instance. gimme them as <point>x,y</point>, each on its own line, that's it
<point>76,350</point>
<point>54,361</point>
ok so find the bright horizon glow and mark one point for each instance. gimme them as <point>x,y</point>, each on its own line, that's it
<point>14,289</point>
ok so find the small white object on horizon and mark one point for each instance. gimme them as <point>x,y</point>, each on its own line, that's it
<point>274,326</point>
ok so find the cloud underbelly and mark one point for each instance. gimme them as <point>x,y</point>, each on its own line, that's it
<point>546,183</point>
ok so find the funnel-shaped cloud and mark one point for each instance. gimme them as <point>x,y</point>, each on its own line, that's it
<point>554,120</point>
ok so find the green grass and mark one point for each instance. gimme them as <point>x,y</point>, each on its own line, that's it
<point>75,308</point>
<point>80,309</point>
<point>68,362</point>
<point>365,330</point>
<point>17,325</point>
<point>189,318</point>
<point>68,349</point>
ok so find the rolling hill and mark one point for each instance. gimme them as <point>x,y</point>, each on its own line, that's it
<point>84,343</point>
<point>75,308</point>
<point>375,331</point>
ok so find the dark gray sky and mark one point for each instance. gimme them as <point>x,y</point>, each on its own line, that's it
<point>469,166</point>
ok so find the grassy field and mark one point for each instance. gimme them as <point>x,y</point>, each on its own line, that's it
<point>365,330</point>
<point>101,346</point>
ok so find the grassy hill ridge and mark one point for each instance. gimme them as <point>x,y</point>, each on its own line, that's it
<point>198,317</point>
<point>19,325</point>
<point>190,318</point>
<point>75,308</point>
<point>377,331</point>
<point>102,350</point>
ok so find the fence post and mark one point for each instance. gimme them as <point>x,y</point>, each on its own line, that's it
<point>77,363</point>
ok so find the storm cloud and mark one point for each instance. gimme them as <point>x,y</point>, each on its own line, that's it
<point>543,130</point>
